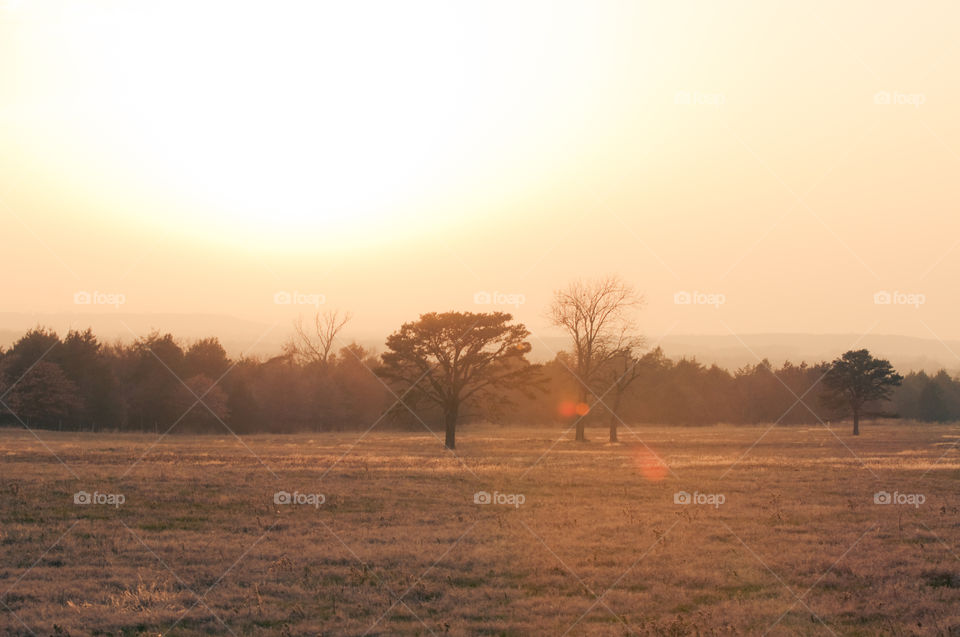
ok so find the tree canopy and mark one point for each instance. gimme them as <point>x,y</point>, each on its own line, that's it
<point>857,379</point>
<point>453,357</point>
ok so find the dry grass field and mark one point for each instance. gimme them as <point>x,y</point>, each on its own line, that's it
<point>184,535</point>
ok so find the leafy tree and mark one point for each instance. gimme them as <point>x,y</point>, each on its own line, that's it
<point>206,356</point>
<point>201,404</point>
<point>84,362</point>
<point>37,344</point>
<point>933,407</point>
<point>43,396</point>
<point>282,391</point>
<point>244,411</point>
<point>362,395</point>
<point>155,380</point>
<point>857,379</point>
<point>453,357</point>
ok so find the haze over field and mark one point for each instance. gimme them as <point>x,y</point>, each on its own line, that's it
<point>479,318</point>
<point>732,351</point>
<point>201,158</point>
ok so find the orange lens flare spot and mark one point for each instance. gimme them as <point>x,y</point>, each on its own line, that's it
<point>569,409</point>
<point>650,466</point>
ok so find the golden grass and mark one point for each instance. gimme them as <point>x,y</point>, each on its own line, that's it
<point>599,545</point>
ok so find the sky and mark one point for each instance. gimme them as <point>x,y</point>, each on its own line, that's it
<point>750,167</point>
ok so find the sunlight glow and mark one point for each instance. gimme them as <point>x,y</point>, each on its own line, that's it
<point>283,126</point>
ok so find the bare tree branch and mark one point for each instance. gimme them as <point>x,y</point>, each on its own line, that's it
<point>598,316</point>
<point>314,344</point>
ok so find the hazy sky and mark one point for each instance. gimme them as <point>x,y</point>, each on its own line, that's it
<point>395,158</point>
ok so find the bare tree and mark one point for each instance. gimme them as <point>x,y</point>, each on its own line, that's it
<point>597,315</point>
<point>314,343</point>
<point>621,370</point>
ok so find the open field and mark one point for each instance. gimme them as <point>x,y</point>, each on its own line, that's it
<point>597,546</point>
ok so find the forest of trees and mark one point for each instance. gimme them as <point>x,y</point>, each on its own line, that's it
<point>160,384</point>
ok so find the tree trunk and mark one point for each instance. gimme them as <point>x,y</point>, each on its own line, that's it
<point>613,415</point>
<point>450,420</point>
<point>856,422</point>
<point>581,432</point>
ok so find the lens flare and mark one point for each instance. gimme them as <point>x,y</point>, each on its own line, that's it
<point>571,408</point>
<point>649,464</point>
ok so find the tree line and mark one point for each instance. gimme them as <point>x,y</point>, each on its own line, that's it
<point>437,371</point>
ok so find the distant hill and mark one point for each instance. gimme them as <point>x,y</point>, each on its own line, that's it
<point>905,352</point>
<point>732,352</point>
<point>726,350</point>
